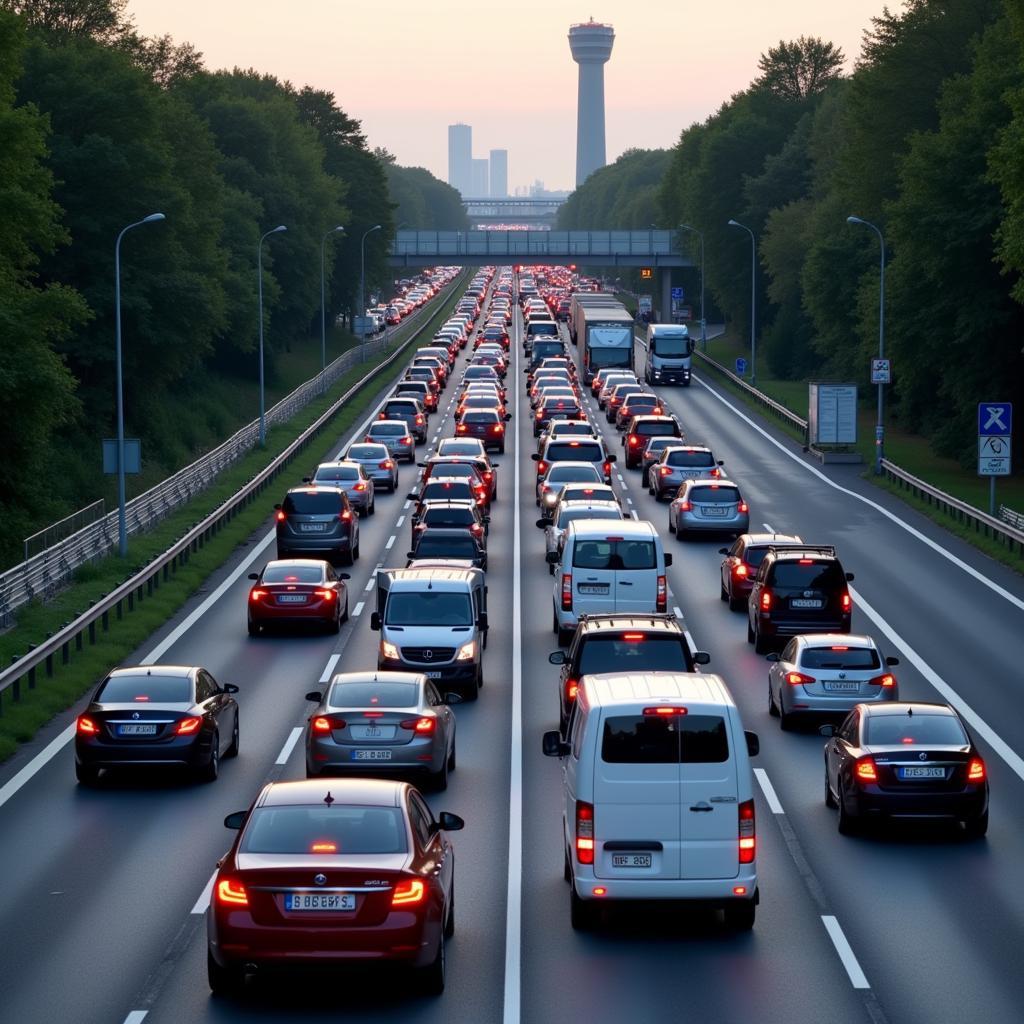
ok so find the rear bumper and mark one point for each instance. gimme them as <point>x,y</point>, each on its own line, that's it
<point>418,755</point>
<point>191,751</point>
<point>773,626</point>
<point>872,801</point>
<point>795,701</point>
<point>727,524</point>
<point>333,545</point>
<point>708,892</point>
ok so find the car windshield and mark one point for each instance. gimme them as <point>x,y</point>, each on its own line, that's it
<point>292,574</point>
<point>840,656</point>
<point>429,608</point>
<point>367,452</point>
<point>144,688</point>
<point>312,503</point>
<point>664,739</point>
<point>808,575</point>
<point>374,694</point>
<point>634,652</point>
<point>326,829</point>
<point>614,554</point>
<point>715,495</point>
<point>328,473</point>
<point>568,515</point>
<point>921,729</point>
<point>671,346</point>
<point>689,460</point>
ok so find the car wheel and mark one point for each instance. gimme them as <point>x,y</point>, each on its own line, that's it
<point>723,594</point>
<point>773,708</point>
<point>451,758</point>
<point>761,645</point>
<point>449,921</point>
<point>224,981</point>
<point>347,557</point>
<point>566,869</point>
<point>232,750</point>
<point>750,631</point>
<point>565,637</point>
<point>344,617</point>
<point>334,624</point>
<point>582,915</point>
<point>86,774</point>
<point>847,824</point>
<point>254,630</point>
<point>736,603</point>
<point>551,569</point>
<point>786,720</point>
<point>431,978</point>
<point>740,916</point>
<point>439,779</point>
<point>210,771</point>
<point>975,828</point>
<point>830,800</point>
<point>671,527</point>
<point>554,623</point>
<point>355,551</point>
<point>372,507</point>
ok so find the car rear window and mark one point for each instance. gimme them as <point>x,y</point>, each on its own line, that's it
<point>325,829</point>
<point>577,451</point>
<point>541,328</point>
<point>668,739</point>
<point>400,408</point>
<point>715,495</point>
<point>329,473</point>
<point>444,490</point>
<point>614,554</point>
<point>690,459</point>
<point>459,469</point>
<point>447,516</point>
<point>375,694</point>
<point>312,503</point>
<point>883,730</point>
<point>568,515</point>
<point>462,546</point>
<point>576,474</point>
<point>292,574</point>
<point>388,429</point>
<point>615,653</point>
<point>652,428</point>
<point>544,349</point>
<point>480,416</point>
<point>143,688</point>
<point>367,451</point>
<point>840,657</point>
<point>812,575</point>
<point>429,608</point>
<point>452,446</point>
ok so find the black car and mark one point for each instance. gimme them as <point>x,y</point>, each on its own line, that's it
<point>455,515</point>
<point>317,520</point>
<point>157,714</point>
<point>442,542</point>
<point>905,760</point>
<point>639,432</point>
<point>621,643</point>
<point>798,590</point>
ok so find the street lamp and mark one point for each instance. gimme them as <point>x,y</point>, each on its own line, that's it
<point>753,299</point>
<point>362,285</point>
<point>323,300</point>
<point>703,326</point>
<point>879,429</point>
<point>259,279</point>
<point>122,519</point>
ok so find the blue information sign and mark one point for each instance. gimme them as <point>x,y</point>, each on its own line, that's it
<point>741,367</point>
<point>995,418</point>
<point>677,294</point>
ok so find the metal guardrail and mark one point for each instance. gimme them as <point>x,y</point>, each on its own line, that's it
<point>56,532</point>
<point>43,574</point>
<point>1009,515</point>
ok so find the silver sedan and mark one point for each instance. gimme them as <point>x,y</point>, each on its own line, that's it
<point>352,479</point>
<point>377,723</point>
<point>678,463</point>
<point>569,511</point>
<point>376,461</point>
<point>708,506</point>
<point>828,673</point>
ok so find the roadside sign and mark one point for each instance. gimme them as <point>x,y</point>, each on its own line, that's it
<point>881,371</point>
<point>741,366</point>
<point>995,426</point>
<point>995,419</point>
<point>645,304</point>
<point>677,294</point>
<point>132,455</point>
<point>993,456</point>
<point>646,273</point>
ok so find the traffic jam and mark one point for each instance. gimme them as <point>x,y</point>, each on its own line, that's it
<point>648,751</point>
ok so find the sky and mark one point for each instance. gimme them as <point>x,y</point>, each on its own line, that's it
<point>408,68</point>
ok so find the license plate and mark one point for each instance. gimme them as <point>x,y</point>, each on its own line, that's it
<point>631,860</point>
<point>373,732</point>
<point>312,527</point>
<point>433,675</point>
<point>804,602</point>
<point>319,901</point>
<point>837,687</point>
<point>593,588</point>
<point>291,598</point>
<point>715,510</point>
<point>136,730</point>
<point>922,772</point>
<point>371,755</point>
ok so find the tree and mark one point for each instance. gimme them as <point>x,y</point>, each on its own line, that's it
<point>622,196</point>
<point>166,62</point>
<point>102,20</point>
<point>799,69</point>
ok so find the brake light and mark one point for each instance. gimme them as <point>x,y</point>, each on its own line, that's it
<point>423,725</point>
<point>324,846</point>
<point>716,472</point>
<point>661,601</point>
<point>383,416</point>
<point>497,428</point>
<point>664,471</point>
<point>540,413</point>
<point>740,570</point>
<point>766,600</point>
<point>567,592</point>
<point>326,594</point>
<point>888,680</point>
<point>232,893</point>
<point>542,468</point>
<point>865,770</point>
<point>976,770</point>
<point>405,440</point>
<point>847,603</point>
<point>87,727</point>
<point>409,893</point>
<point>256,594</point>
<point>748,832</point>
<point>345,516</point>
<point>281,517</point>
<point>461,428</point>
<point>189,725</point>
<point>386,464</point>
<point>743,507</point>
<point>633,440</point>
<point>633,637</point>
<point>324,725</point>
<point>359,487</point>
<point>664,712</point>
<point>419,419</point>
<point>798,679</point>
<point>584,832</point>
<point>607,468</point>
<point>572,687</point>
<point>806,561</point>
<point>685,506</point>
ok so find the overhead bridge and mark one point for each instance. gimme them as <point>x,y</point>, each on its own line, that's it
<point>513,209</point>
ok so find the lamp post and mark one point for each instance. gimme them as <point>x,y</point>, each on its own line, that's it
<point>879,428</point>
<point>259,279</point>
<point>323,299</point>
<point>703,326</point>
<point>753,299</point>
<point>362,286</point>
<point>122,519</point>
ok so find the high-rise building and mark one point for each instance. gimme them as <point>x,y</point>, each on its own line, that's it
<point>591,45</point>
<point>478,178</point>
<point>499,173</point>
<point>460,157</point>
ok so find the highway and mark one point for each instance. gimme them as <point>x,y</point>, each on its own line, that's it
<point>104,889</point>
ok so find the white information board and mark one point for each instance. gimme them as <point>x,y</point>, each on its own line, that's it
<point>832,413</point>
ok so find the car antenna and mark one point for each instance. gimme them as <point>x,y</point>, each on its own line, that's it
<point>910,712</point>
<point>328,799</point>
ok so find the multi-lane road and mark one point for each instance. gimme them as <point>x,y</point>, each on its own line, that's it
<point>104,889</point>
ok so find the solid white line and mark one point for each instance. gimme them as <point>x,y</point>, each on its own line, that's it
<point>514,892</point>
<point>199,907</point>
<point>398,524</point>
<point>891,516</point>
<point>136,1017</point>
<point>980,726</point>
<point>768,527</point>
<point>329,670</point>
<point>39,761</point>
<point>835,933</point>
<point>769,791</point>
<point>289,745</point>
<point>358,610</point>
<point>390,543</point>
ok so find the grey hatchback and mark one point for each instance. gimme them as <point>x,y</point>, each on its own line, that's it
<point>351,478</point>
<point>376,461</point>
<point>320,520</point>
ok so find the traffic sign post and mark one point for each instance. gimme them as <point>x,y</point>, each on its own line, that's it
<point>995,429</point>
<point>881,371</point>
<point>678,295</point>
<point>741,366</point>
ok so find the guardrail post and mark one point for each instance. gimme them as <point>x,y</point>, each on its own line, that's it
<point>106,622</point>
<point>49,666</point>
<point>65,651</point>
<point>31,678</point>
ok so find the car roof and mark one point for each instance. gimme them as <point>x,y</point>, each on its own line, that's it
<point>858,640</point>
<point>623,689</point>
<point>364,792</point>
<point>166,671</point>
<point>441,574</point>
<point>394,423</point>
<point>453,503</point>
<point>338,464</point>
<point>902,707</point>
<point>639,529</point>
<point>710,481</point>
<point>367,676</point>
<point>651,418</point>
<point>314,489</point>
<point>796,551</point>
<point>299,563</point>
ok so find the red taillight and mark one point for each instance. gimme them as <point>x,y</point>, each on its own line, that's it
<point>847,602</point>
<point>87,727</point>
<point>383,416</point>
<point>664,711</point>
<point>633,440</point>
<point>409,893</point>
<point>743,507</point>
<point>661,601</point>
<point>748,832</point>
<point>716,472</point>
<point>798,679</point>
<point>405,440</point>
<point>232,893</point>
<point>461,428</point>
<point>542,468</point>
<point>345,516</point>
<point>634,637</point>
<point>686,506</point>
<point>256,594</point>
<point>325,594</point>
<point>324,725</point>
<point>497,428</point>
<point>584,832</point>
<point>477,529</point>
<point>766,600</point>
<point>323,846</point>
<point>572,687</point>
<point>540,414</point>
<point>189,725</point>
<point>976,770</point>
<point>359,487</point>
<point>424,726</point>
<point>887,680</point>
<point>419,419</point>
<point>388,464</point>
<point>567,592</point>
<point>281,517</point>
<point>740,570</point>
<point>865,770</point>
<point>607,468</point>
<point>664,471</point>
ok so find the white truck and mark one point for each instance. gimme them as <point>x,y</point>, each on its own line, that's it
<point>668,354</point>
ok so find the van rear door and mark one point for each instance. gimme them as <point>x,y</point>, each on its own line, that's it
<point>636,576</point>
<point>593,578</point>
<point>636,797</point>
<point>709,796</point>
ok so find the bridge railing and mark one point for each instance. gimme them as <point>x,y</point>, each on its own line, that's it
<point>657,246</point>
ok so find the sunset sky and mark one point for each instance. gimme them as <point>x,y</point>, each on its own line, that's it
<point>409,68</point>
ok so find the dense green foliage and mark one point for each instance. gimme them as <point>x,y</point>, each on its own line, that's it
<point>423,201</point>
<point>622,196</point>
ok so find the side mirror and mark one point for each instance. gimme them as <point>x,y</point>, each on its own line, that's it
<point>453,698</point>
<point>448,822</point>
<point>551,558</point>
<point>375,621</point>
<point>668,559</point>
<point>542,523</point>
<point>315,696</point>
<point>481,622</point>
<point>892,660</point>
<point>554,745</point>
<point>849,577</point>
<point>701,658</point>
<point>508,416</point>
<point>723,551</point>
<point>254,576</point>
<point>535,456</point>
<point>826,730</point>
<point>613,458</point>
<point>344,576</point>
<point>410,555</point>
<point>229,688</point>
<point>236,819</point>
<point>774,656</point>
<point>556,658</point>
<point>277,507</point>
<point>307,479</point>
<point>413,496</point>
<point>753,743</point>
<point>721,462</point>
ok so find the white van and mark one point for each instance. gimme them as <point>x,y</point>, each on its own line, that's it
<point>607,566</point>
<point>658,795</point>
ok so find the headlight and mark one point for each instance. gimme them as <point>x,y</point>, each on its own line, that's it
<point>550,498</point>
<point>467,652</point>
<point>389,651</point>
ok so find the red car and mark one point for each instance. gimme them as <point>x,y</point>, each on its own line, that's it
<point>478,468</point>
<point>297,590</point>
<point>329,872</point>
